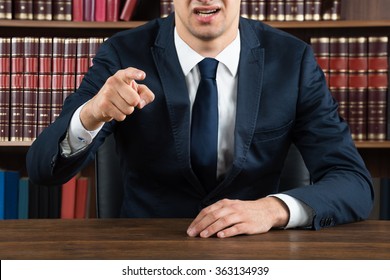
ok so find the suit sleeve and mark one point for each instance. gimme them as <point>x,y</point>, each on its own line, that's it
<point>45,164</point>
<point>342,190</point>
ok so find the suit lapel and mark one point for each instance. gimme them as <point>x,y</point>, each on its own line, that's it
<point>176,95</point>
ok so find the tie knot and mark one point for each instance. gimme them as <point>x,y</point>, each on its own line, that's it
<point>208,68</point>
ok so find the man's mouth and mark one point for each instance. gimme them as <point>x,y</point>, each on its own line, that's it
<point>206,13</point>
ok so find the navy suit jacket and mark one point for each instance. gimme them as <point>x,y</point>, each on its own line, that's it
<point>282,98</point>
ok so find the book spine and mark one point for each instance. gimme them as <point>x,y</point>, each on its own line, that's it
<point>94,44</point>
<point>338,73</point>
<point>6,9</point>
<point>68,196</point>
<point>295,10</point>
<point>57,77</point>
<point>44,83</point>
<point>166,7</point>
<point>69,72</point>
<point>17,70</point>
<point>128,10</point>
<point>100,10</point>
<point>43,202</point>
<point>78,10</point>
<point>377,87</point>
<point>82,59</point>
<point>23,9</point>
<point>244,9</point>
<point>30,93</point>
<point>55,197</point>
<point>331,10</point>
<point>276,10</point>
<point>81,201</point>
<point>357,87</point>
<point>10,194</point>
<point>23,198</point>
<point>62,10</point>
<point>112,10</point>
<point>5,85</point>
<point>42,10</point>
<point>89,10</point>
<point>320,46</point>
<point>313,10</point>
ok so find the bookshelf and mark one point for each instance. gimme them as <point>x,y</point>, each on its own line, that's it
<point>358,18</point>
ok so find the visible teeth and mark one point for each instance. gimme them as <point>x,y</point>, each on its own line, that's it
<point>205,13</point>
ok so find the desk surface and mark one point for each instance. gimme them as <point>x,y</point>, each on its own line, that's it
<point>166,239</point>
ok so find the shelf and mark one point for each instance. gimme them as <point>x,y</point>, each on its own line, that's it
<point>133,24</point>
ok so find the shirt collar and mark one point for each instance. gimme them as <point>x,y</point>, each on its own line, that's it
<point>189,58</point>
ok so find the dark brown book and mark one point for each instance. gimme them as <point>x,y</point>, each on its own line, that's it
<point>377,87</point>
<point>94,44</point>
<point>30,83</point>
<point>44,84</point>
<point>275,10</point>
<point>82,59</point>
<point>57,81</point>
<point>295,10</point>
<point>17,70</point>
<point>62,10</point>
<point>320,46</point>
<point>42,10</point>
<point>23,9</point>
<point>357,87</point>
<point>313,10</point>
<point>6,9</point>
<point>244,9</point>
<point>338,73</point>
<point>5,71</point>
<point>331,9</point>
<point>70,56</point>
<point>166,7</point>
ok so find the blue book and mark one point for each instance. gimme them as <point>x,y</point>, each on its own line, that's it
<point>9,189</point>
<point>23,198</point>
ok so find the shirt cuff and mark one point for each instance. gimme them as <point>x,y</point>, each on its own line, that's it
<point>77,138</point>
<point>301,215</point>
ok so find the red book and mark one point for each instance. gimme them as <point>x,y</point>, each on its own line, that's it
<point>100,10</point>
<point>338,73</point>
<point>69,72</point>
<point>81,204</point>
<point>89,10</point>
<point>57,77</point>
<point>30,82</point>
<point>94,44</point>
<point>357,87</point>
<point>128,10</point>
<point>320,46</point>
<point>78,10</point>
<point>68,199</point>
<point>82,59</point>
<point>377,87</point>
<point>5,70</point>
<point>17,69</point>
<point>44,84</point>
<point>112,10</point>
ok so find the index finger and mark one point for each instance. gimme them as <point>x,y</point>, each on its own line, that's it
<point>129,74</point>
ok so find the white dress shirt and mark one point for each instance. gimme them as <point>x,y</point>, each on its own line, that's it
<point>78,137</point>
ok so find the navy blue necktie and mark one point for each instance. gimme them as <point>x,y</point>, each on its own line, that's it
<point>204,125</point>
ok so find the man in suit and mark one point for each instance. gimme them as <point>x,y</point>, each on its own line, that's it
<point>271,93</point>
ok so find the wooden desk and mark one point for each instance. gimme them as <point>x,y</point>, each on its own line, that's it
<point>166,239</point>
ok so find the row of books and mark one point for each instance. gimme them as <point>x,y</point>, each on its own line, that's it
<point>68,10</point>
<point>280,10</point>
<point>21,199</point>
<point>357,69</point>
<point>36,75</point>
